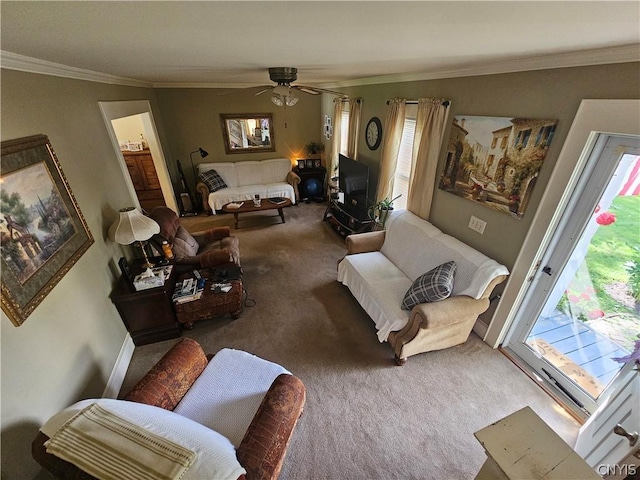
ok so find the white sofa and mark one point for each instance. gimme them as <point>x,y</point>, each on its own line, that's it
<point>381,266</point>
<point>267,178</point>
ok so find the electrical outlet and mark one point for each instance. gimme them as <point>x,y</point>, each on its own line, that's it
<point>477,224</point>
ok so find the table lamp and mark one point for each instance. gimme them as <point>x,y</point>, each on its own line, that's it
<point>132,226</point>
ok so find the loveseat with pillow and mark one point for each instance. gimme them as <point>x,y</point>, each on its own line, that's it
<point>228,418</point>
<point>225,182</point>
<point>423,289</point>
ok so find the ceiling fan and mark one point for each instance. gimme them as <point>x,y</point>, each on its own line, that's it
<point>282,92</point>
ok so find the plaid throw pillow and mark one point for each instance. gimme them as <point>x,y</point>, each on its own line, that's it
<point>212,180</point>
<point>436,284</point>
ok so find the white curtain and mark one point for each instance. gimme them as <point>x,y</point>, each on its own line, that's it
<point>393,123</point>
<point>355,107</point>
<point>337,125</point>
<point>430,127</point>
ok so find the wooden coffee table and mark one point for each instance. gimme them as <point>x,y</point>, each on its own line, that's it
<point>248,206</point>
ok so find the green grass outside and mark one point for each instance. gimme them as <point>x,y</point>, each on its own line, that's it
<point>611,248</point>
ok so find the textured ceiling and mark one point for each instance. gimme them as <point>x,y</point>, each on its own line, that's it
<point>233,43</point>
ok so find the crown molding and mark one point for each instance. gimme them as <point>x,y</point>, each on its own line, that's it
<point>601,56</point>
<point>226,86</point>
<point>22,63</point>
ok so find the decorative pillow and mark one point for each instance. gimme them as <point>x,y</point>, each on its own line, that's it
<point>436,284</point>
<point>212,180</point>
<point>184,245</point>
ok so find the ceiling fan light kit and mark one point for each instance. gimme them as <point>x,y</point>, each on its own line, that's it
<point>281,93</point>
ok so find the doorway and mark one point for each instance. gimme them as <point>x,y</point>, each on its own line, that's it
<point>139,117</point>
<point>580,313</point>
<point>139,159</point>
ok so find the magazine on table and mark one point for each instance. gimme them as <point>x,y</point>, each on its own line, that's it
<point>187,291</point>
<point>234,205</point>
<point>278,200</point>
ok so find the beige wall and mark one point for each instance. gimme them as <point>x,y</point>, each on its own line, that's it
<point>539,94</point>
<point>67,348</point>
<point>192,120</point>
<point>128,129</point>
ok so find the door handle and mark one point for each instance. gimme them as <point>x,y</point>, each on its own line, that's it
<point>547,270</point>
<point>632,437</point>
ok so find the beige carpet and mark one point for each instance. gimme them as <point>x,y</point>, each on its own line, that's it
<point>365,418</point>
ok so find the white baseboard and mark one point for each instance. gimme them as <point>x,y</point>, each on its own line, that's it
<point>480,328</point>
<point>119,369</point>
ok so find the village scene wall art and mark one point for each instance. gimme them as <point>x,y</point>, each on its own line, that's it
<point>42,230</point>
<point>35,223</point>
<point>495,161</point>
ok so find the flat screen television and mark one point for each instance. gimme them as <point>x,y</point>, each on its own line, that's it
<point>353,181</point>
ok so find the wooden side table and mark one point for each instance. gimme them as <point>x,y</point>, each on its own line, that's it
<point>523,447</point>
<point>148,314</point>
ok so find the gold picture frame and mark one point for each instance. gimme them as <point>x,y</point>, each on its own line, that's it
<point>248,132</point>
<point>43,232</point>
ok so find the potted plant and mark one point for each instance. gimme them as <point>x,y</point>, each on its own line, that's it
<point>380,211</point>
<point>313,149</point>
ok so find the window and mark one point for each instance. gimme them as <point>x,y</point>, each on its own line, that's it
<point>405,157</point>
<point>344,129</point>
<point>503,145</point>
<point>548,134</point>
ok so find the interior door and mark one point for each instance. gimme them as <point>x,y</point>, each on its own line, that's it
<point>614,456</point>
<point>554,336</point>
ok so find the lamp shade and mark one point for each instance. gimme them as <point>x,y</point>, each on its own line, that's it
<point>132,226</point>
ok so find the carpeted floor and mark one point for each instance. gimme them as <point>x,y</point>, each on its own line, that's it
<point>365,418</point>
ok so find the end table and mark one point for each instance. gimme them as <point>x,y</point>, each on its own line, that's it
<point>148,314</point>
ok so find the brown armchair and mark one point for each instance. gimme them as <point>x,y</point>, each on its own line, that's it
<point>209,248</point>
<point>264,445</point>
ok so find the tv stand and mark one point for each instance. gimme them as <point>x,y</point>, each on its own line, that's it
<point>344,223</point>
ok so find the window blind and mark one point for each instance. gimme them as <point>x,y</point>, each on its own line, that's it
<point>344,129</point>
<point>403,166</point>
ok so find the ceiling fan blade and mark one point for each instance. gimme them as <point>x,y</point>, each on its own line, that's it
<point>243,90</point>
<point>317,90</point>
<point>264,89</point>
<point>309,90</point>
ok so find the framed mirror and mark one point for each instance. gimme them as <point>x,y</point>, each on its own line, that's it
<point>247,132</point>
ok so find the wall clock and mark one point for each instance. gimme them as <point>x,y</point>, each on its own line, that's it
<point>374,133</point>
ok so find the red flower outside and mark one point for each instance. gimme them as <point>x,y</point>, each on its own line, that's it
<point>593,314</point>
<point>606,218</point>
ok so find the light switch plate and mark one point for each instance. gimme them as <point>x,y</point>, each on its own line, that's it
<point>477,224</point>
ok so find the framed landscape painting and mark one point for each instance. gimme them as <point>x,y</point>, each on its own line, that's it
<point>495,161</point>
<point>42,230</point>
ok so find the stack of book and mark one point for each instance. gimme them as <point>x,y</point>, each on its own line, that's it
<point>187,291</point>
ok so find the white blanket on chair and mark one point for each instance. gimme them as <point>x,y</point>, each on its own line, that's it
<point>228,393</point>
